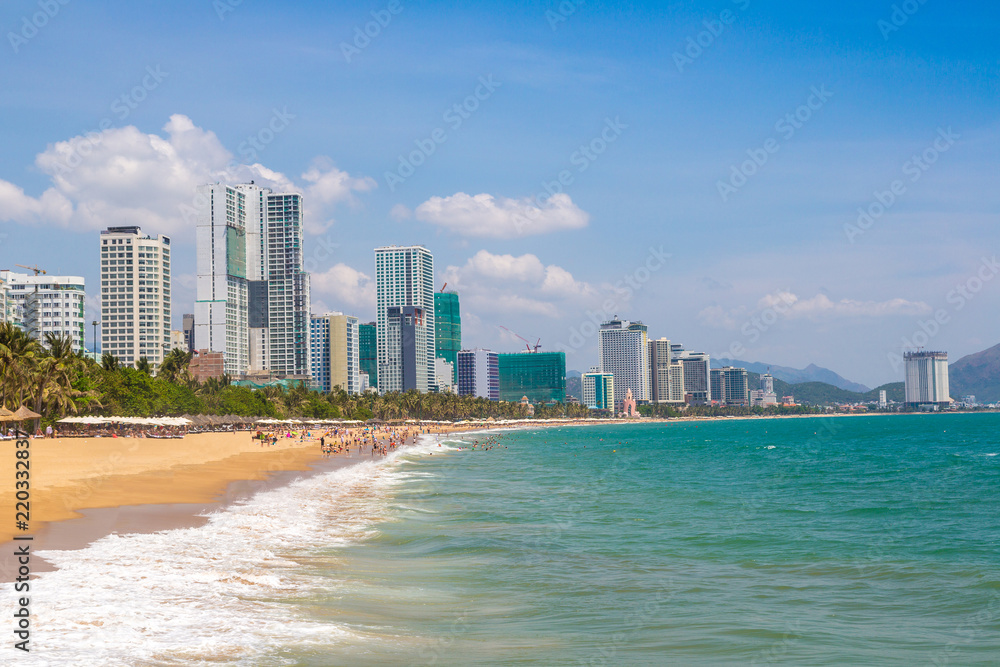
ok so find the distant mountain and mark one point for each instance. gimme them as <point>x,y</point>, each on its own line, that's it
<point>977,374</point>
<point>574,385</point>
<point>811,373</point>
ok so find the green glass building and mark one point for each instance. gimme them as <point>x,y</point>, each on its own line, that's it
<point>541,376</point>
<point>368,352</point>
<point>448,329</point>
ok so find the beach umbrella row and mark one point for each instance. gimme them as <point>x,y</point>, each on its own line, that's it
<point>19,415</point>
<point>135,421</point>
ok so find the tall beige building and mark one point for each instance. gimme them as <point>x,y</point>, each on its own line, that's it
<point>334,349</point>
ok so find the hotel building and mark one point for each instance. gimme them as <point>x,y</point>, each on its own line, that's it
<point>135,295</point>
<point>598,390</point>
<point>252,292</point>
<point>624,353</point>
<point>42,304</point>
<point>334,352</point>
<point>479,374</point>
<point>927,379</point>
<point>404,281</point>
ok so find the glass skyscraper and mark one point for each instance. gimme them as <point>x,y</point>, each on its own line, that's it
<point>541,376</point>
<point>368,355</point>
<point>447,329</point>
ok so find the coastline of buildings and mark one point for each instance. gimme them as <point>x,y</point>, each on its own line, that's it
<point>252,322</point>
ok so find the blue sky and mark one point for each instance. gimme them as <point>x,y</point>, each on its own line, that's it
<point>774,268</point>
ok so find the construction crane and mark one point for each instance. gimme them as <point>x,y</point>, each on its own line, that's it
<point>33,268</point>
<point>527,343</point>
<point>442,287</point>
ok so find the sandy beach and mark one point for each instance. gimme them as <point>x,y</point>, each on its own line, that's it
<point>71,474</point>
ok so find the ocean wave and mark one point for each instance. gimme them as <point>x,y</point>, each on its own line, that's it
<point>216,593</point>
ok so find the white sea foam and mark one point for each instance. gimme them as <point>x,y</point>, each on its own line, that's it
<point>212,594</point>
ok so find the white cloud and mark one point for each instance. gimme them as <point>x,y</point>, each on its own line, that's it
<point>500,217</point>
<point>122,176</point>
<point>350,289</point>
<point>522,284</point>
<point>400,213</point>
<point>788,305</point>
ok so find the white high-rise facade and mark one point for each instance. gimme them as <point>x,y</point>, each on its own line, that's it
<point>43,304</point>
<point>404,281</point>
<point>252,292</point>
<point>927,378</point>
<point>697,374</point>
<point>666,376</point>
<point>625,354</point>
<point>135,295</point>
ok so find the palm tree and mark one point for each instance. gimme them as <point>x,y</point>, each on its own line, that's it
<point>175,365</point>
<point>54,373</point>
<point>109,362</point>
<point>18,354</point>
<point>143,366</point>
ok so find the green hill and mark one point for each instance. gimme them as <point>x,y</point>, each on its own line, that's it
<point>821,393</point>
<point>977,374</point>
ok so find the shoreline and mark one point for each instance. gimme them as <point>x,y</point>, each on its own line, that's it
<point>104,486</point>
<point>83,489</point>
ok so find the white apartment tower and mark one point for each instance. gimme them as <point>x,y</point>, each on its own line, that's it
<point>625,354</point>
<point>135,295</point>
<point>404,280</point>
<point>43,304</point>
<point>927,378</point>
<point>252,293</point>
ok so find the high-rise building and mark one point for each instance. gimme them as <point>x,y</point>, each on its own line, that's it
<point>334,352</point>
<point>598,390</point>
<point>883,401</point>
<point>368,359</point>
<point>43,304</point>
<point>404,278</point>
<point>447,328</point>
<point>666,377</point>
<point>5,309</point>
<point>927,379</point>
<point>729,386</point>
<point>187,326</point>
<point>764,396</point>
<point>135,294</point>
<point>479,374</point>
<point>767,383</point>
<point>541,376</point>
<point>444,374</point>
<point>697,385</point>
<point>252,292</point>
<point>676,382</point>
<point>405,367</point>
<point>624,353</point>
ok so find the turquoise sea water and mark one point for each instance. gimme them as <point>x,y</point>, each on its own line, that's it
<point>847,541</point>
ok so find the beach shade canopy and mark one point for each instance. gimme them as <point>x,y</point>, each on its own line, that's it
<point>83,420</point>
<point>4,412</point>
<point>24,414</point>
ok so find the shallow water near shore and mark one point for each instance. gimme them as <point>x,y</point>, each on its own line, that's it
<point>808,542</point>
